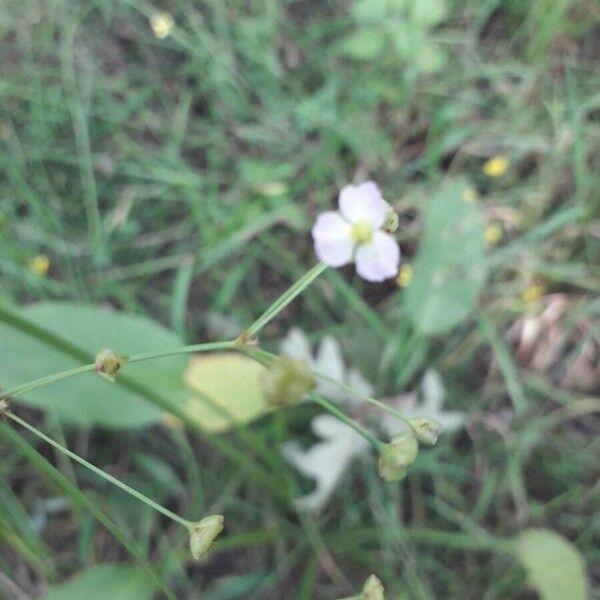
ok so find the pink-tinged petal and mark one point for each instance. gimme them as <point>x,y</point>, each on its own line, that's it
<point>379,259</point>
<point>363,202</point>
<point>333,242</point>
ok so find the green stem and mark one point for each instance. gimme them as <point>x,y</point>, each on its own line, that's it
<point>47,380</point>
<point>19,390</point>
<point>342,416</point>
<point>83,501</point>
<point>187,524</point>
<point>268,356</point>
<point>369,399</point>
<point>252,467</point>
<point>205,347</point>
<point>286,298</point>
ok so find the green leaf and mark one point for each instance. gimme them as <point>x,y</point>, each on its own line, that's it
<point>431,58</point>
<point>88,399</point>
<point>225,390</point>
<point>555,566</point>
<point>449,270</point>
<point>116,581</point>
<point>369,11</point>
<point>365,43</point>
<point>429,13</point>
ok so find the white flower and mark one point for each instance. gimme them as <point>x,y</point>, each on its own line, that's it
<point>433,394</point>
<point>355,233</point>
<point>326,461</point>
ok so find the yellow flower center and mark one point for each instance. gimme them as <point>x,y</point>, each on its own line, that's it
<point>362,232</point>
<point>496,166</point>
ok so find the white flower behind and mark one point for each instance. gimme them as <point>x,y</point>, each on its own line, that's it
<point>330,458</point>
<point>356,233</point>
<point>326,461</point>
<point>327,361</point>
<point>433,394</point>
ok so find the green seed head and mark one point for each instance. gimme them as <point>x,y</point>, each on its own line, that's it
<point>286,382</point>
<point>397,456</point>
<point>426,430</point>
<point>203,534</point>
<point>373,589</point>
<point>108,363</point>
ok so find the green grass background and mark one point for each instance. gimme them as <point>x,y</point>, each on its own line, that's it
<point>179,177</point>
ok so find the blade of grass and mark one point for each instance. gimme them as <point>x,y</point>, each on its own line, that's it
<point>505,362</point>
<point>79,498</point>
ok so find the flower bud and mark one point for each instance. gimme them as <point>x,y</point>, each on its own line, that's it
<point>373,589</point>
<point>203,534</point>
<point>426,430</point>
<point>286,381</point>
<point>391,221</point>
<point>397,455</point>
<point>108,363</point>
<point>4,407</point>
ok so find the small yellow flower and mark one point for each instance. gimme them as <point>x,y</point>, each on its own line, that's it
<point>469,194</point>
<point>533,294</point>
<point>404,276</point>
<point>496,166</point>
<point>493,234</point>
<point>39,264</point>
<point>162,23</point>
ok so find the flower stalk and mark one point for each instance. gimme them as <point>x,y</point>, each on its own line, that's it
<point>116,482</point>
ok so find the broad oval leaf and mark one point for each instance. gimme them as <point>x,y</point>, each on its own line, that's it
<point>369,11</point>
<point>225,390</point>
<point>429,13</point>
<point>114,581</point>
<point>449,270</point>
<point>555,566</point>
<point>366,43</point>
<point>88,399</point>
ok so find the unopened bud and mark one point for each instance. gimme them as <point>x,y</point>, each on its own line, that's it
<point>391,221</point>
<point>203,534</point>
<point>108,363</point>
<point>397,456</point>
<point>4,406</point>
<point>426,430</point>
<point>373,589</point>
<point>286,381</point>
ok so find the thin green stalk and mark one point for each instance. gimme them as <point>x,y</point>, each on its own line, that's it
<point>342,416</point>
<point>433,537</point>
<point>506,365</point>
<point>187,524</point>
<point>82,142</point>
<point>62,482</point>
<point>268,356</point>
<point>286,298</point>
<point>47,380</point>
<point>204,347</point>
<point>19,390</point>
<point>369,399</point>
<point>243,458</point>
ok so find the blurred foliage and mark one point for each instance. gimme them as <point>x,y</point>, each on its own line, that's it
<point>176,178</point>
